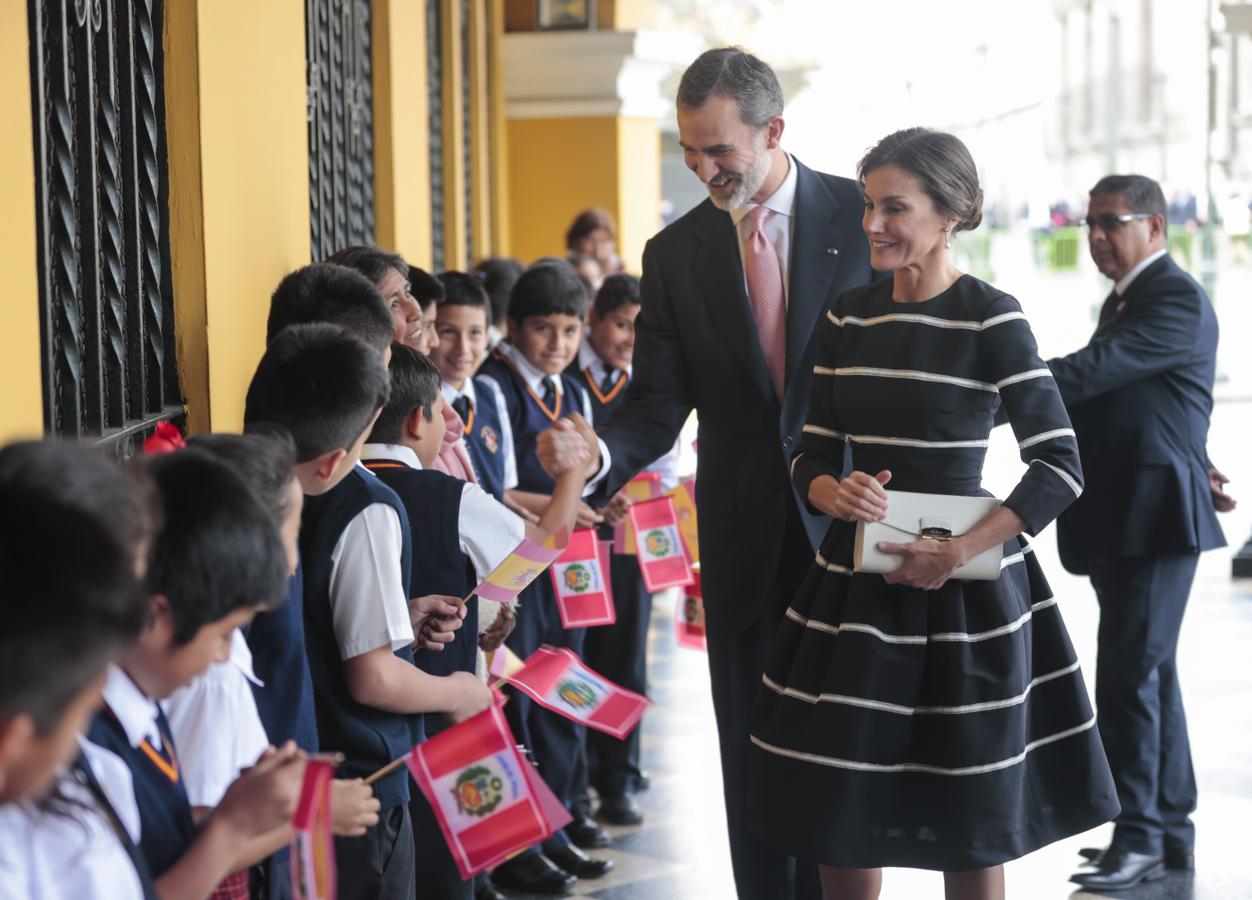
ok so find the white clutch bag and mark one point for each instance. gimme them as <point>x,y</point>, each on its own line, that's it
<point>940,517</point>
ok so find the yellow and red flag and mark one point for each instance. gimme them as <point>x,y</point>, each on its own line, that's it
<point>313,875</point>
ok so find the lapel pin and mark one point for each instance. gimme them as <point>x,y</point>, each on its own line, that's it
<point>832,251</point>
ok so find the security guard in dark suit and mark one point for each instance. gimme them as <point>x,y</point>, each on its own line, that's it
<point>1139,395</point>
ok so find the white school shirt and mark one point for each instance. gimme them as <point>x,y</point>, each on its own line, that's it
<point>487,530</point>
<point>136,712</point>
<point>451,394</point>
<point>75,855</point>
<point>369,605</point>
<point>216,727</point>
<point>534,378</point>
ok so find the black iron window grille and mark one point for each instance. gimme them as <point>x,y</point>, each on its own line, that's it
<point>107,318</point>
<point>434,108</point>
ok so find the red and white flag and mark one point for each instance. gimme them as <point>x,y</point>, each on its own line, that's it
<point>643,486</point>
<point>689,630</point>
<point>489,801</point>
<point>662,556</point>
<point>313,874</point>
<point>557,679</point>
<point>584,594</point>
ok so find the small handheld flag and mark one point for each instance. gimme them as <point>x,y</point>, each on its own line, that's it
<point>501,664</point>
<point>685,506</point>
<point>644,486</point>
<point>662,557</point>
<point>584,594</point>
<point>520,568</point>
<point>313,874</point>
<point>689,630</point>
<point>558,680</point>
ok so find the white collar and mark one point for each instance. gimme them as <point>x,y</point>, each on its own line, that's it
<point>532,376</point>
<point>241,657</point>
<point>134,710</point>
<point>1125,281</point>
<point>394,452</point>
<point>451,394</point>
<point>781,202</point>
<point>588,358</point>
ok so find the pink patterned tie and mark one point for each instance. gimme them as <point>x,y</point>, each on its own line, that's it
<point>765,293</point>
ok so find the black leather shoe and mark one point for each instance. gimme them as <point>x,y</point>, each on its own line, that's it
<point>643,781</point>
<point>585,833</point>
<point>533,873</point>
<point>1121,870</point>
<point>1178,857</point>
<point>620,809</point>
<point>487,892</point>
<point>571,859</point>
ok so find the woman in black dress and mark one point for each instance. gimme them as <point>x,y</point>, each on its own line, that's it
<point>914,719</point>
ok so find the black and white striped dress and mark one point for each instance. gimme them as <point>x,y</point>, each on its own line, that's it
<point>944,729</point>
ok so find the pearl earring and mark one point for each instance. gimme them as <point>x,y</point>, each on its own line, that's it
<point>947,240</point>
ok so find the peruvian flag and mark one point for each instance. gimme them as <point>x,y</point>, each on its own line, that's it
<point>643,486</point>
<point>490,802</point>
<point>689,628</point>
<point>557,679</point>
<point>312,843</point>
<point>580,576</point>
<point>662,556</point>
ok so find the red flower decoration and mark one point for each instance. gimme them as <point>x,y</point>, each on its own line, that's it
<point>165,439</point>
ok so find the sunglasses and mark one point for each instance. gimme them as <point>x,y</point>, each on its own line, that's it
<point>1111,222</point>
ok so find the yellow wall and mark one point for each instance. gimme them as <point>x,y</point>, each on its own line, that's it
<point>559,167</point>
<point>239,189</point>
<point>21,392</point>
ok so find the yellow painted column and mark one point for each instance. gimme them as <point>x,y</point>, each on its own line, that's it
<point>239,189</point>
<point>401,149</point>
<point>21,388</point>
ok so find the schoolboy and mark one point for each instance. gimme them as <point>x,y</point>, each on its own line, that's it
<point>459,530</point>
<point>461,322</point>
<point>355,553</point>
<point>73,527</point>
<point>498,274</point>
<point>216,560</point>
<point>335,295</point>
<point>546,314</point>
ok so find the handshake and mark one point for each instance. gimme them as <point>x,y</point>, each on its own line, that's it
<point>570,444</point>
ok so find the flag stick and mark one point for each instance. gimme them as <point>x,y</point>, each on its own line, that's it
<point>387,769</point>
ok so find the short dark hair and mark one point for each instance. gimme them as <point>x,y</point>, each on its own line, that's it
<point>219,551</point>
<point>415,383</point>
<point>321,384</point>
<point>426,288</point>
<point>325,292</point>
<point>463,289</point>
<point>588,221</point>
<point>734,73</point>
<point>617,291</point>
<point>550,287</point>
<point>372,262</point>
<point>498,275</point>
<point>264,459</point>
<point>941,162</point>
<point>1141,193</point>
<point>68,521</point>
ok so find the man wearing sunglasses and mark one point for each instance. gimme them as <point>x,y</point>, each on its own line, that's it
<point>1140,394</point>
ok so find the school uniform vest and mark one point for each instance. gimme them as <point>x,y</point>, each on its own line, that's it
<point>433,502</point>
<point>528,418</point>
<point>165,826</point>
<point>369,738</point>
<point>87,778</point>
<point>484,441</point>
<point>281,663</point>
<point>602,406</point>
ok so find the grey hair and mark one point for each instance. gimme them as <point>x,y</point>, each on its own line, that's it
<point>734,73</point>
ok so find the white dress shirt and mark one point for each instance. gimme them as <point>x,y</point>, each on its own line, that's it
<point>451,395</point>
<point>368,598</point>
<point>534,377</point>
<point>136,712</point>
<point>487,530</point>
<point>216,727</point>
<point>1125,281</point>
<point>778,227</point>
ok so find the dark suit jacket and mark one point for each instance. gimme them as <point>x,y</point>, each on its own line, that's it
<point>696,346</point>
<point>1139,395</point>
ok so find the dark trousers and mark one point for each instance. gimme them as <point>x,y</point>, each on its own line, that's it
<point>378,865</point>
<point>736,661</point>
<point>1138,700</point>
<point>558,744</point>
<point>435,870</point>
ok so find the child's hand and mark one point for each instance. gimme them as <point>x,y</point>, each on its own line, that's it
<point>617,509</point>
<point>354,808</point>
<point>562,448</point>
<point>500,629</point>
<point>264,796</point>
<point>435,619</point>
<point>470,696</point>
<point>587,517</point>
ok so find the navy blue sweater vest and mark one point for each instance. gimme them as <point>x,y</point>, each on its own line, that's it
<point>281,662</point>
<point>166,828</point>
<point>528,419</point>
<point>369,738</point>
<point>484,441</point>
<point>433,502</point>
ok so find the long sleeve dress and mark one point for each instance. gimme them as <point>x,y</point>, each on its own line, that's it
<point>945,729</point>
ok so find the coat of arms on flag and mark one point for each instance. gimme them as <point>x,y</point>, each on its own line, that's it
<point>662,556</point>
<point>685,507</point>
<point>580,576</point>
<point>557,679</point>
<point>520,568</point>
<point>644,486</point>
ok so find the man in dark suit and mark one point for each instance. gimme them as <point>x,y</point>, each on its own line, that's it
<point>1140,394</point>
<point>731,294</point>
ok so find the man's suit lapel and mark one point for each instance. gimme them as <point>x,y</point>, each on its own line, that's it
<point>719,272</point>
<point>1134,292</point>
<point>815,246</point>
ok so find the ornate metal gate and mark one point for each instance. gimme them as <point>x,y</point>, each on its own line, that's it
<point>434,107</point>
<point>109,368</point>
